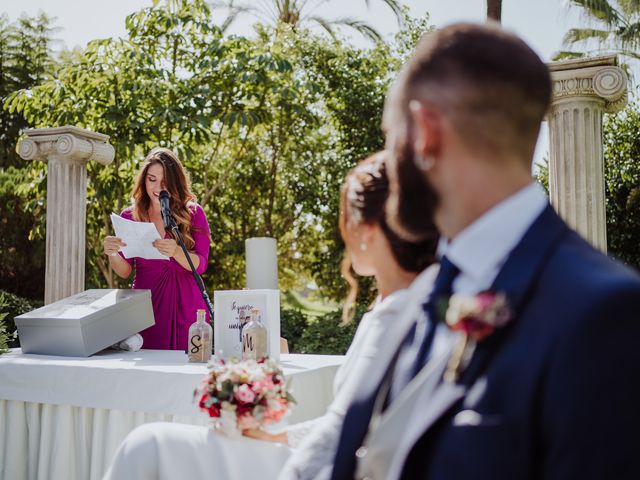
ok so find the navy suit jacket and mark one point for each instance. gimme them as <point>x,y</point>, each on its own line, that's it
<point>557,390</point>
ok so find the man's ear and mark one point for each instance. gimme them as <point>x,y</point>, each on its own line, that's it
<point>427,131</point>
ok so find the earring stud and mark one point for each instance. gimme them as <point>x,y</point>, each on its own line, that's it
<point>424,162</point>
<point>363,247</point>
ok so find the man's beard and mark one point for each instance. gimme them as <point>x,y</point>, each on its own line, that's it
<point>412,201</point>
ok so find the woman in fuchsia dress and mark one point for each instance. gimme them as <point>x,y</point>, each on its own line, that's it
<point>174,293</point>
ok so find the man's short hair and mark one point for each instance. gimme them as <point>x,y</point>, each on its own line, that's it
<point>489,83</point>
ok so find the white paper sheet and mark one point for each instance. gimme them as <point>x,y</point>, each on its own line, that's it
<point>138,236</point>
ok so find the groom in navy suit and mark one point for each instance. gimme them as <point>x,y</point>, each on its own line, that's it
<point>554,393</point>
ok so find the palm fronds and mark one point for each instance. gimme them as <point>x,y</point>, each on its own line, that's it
<point>365,29</point>
<point>567,55</point>
<point>600,10</point>
<point>325,25</point>
<point>629,7</point>
<point>297,12</point>
<point>396,7</point>
<point>615,26</point>
<point>576,35</point>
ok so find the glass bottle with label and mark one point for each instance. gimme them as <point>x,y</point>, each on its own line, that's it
<point>254,337</point>
<point>200,336</point>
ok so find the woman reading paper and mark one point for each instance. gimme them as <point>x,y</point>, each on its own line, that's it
<point>174,293</point>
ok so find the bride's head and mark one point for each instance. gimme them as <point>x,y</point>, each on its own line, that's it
<point>372,248</point>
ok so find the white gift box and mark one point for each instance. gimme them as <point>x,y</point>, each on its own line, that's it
<point>85,323</point>
<point>231,312</point>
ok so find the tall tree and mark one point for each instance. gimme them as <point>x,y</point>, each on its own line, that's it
<point>25,61</point>
<point>614,28</point>
<point>266,126</point>
<point>494,10</point>
<point>297,13</point>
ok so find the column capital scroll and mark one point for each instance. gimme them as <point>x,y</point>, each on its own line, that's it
<point>596,78</point>
<point>68,143</point>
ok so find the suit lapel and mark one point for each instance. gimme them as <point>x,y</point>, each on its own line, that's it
<point>524,263</point>
<point>410,414</point>
<point>434,398</point>
<point>417,392</point>
<point>516,279</point>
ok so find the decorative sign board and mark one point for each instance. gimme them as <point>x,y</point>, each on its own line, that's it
<point>231,312</point>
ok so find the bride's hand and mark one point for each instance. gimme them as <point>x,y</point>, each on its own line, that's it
<point>266,436</point>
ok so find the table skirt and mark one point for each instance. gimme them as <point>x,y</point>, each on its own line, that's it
<point>64,418</point>
<point>60,442</point>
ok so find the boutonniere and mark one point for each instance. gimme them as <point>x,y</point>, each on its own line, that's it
<point>476,317</point>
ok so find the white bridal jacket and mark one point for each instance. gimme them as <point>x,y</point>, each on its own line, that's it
<point>169,450</point>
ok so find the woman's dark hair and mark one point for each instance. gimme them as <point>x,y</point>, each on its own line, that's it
<point>178,185</point>
<point>363,198</point>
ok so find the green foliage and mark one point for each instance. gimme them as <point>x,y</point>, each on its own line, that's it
<point>622,173</point>
<point>309,303</point>
<point>292,325</point>
<point>267,128</point>
<point>10,307</point>
<point>299,13</point>
<point>22,245</point>
<point>615,28</point>
<point>326,335</point>
<point>542,174</point>
<point>25,61</point>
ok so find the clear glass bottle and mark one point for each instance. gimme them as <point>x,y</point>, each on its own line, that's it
<point>200,336</point>
<point>254,337</point>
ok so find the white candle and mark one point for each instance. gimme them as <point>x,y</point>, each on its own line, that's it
<point>261,263</point>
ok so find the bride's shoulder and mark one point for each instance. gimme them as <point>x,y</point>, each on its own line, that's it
<point>389,307</point>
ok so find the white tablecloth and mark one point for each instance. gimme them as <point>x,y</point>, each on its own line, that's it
<point>63,418</point>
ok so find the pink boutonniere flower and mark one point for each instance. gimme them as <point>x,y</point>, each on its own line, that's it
<point>476,317</point>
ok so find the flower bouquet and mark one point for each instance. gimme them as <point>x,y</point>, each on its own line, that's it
<point>240,395</point>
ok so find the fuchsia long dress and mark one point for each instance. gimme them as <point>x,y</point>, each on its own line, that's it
<point>174,293</point>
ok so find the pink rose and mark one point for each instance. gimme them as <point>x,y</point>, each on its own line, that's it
<point>262,386</point>
<point>245,394</point>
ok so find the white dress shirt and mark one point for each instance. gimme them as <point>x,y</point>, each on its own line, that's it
<point>479,251</point>
<point>482,248</point>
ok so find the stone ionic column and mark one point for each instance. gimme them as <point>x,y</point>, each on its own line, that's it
<point>583,90</point>
<point>67,151</point>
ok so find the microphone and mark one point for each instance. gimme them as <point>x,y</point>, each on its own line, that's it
<point>165,209</point>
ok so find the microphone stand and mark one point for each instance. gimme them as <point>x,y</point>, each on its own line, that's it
<point>173,226</point>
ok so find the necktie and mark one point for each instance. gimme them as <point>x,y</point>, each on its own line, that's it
<point>417,344</point>
<point>412,355</point>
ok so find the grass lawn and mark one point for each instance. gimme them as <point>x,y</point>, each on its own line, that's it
<point>310,308</point>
